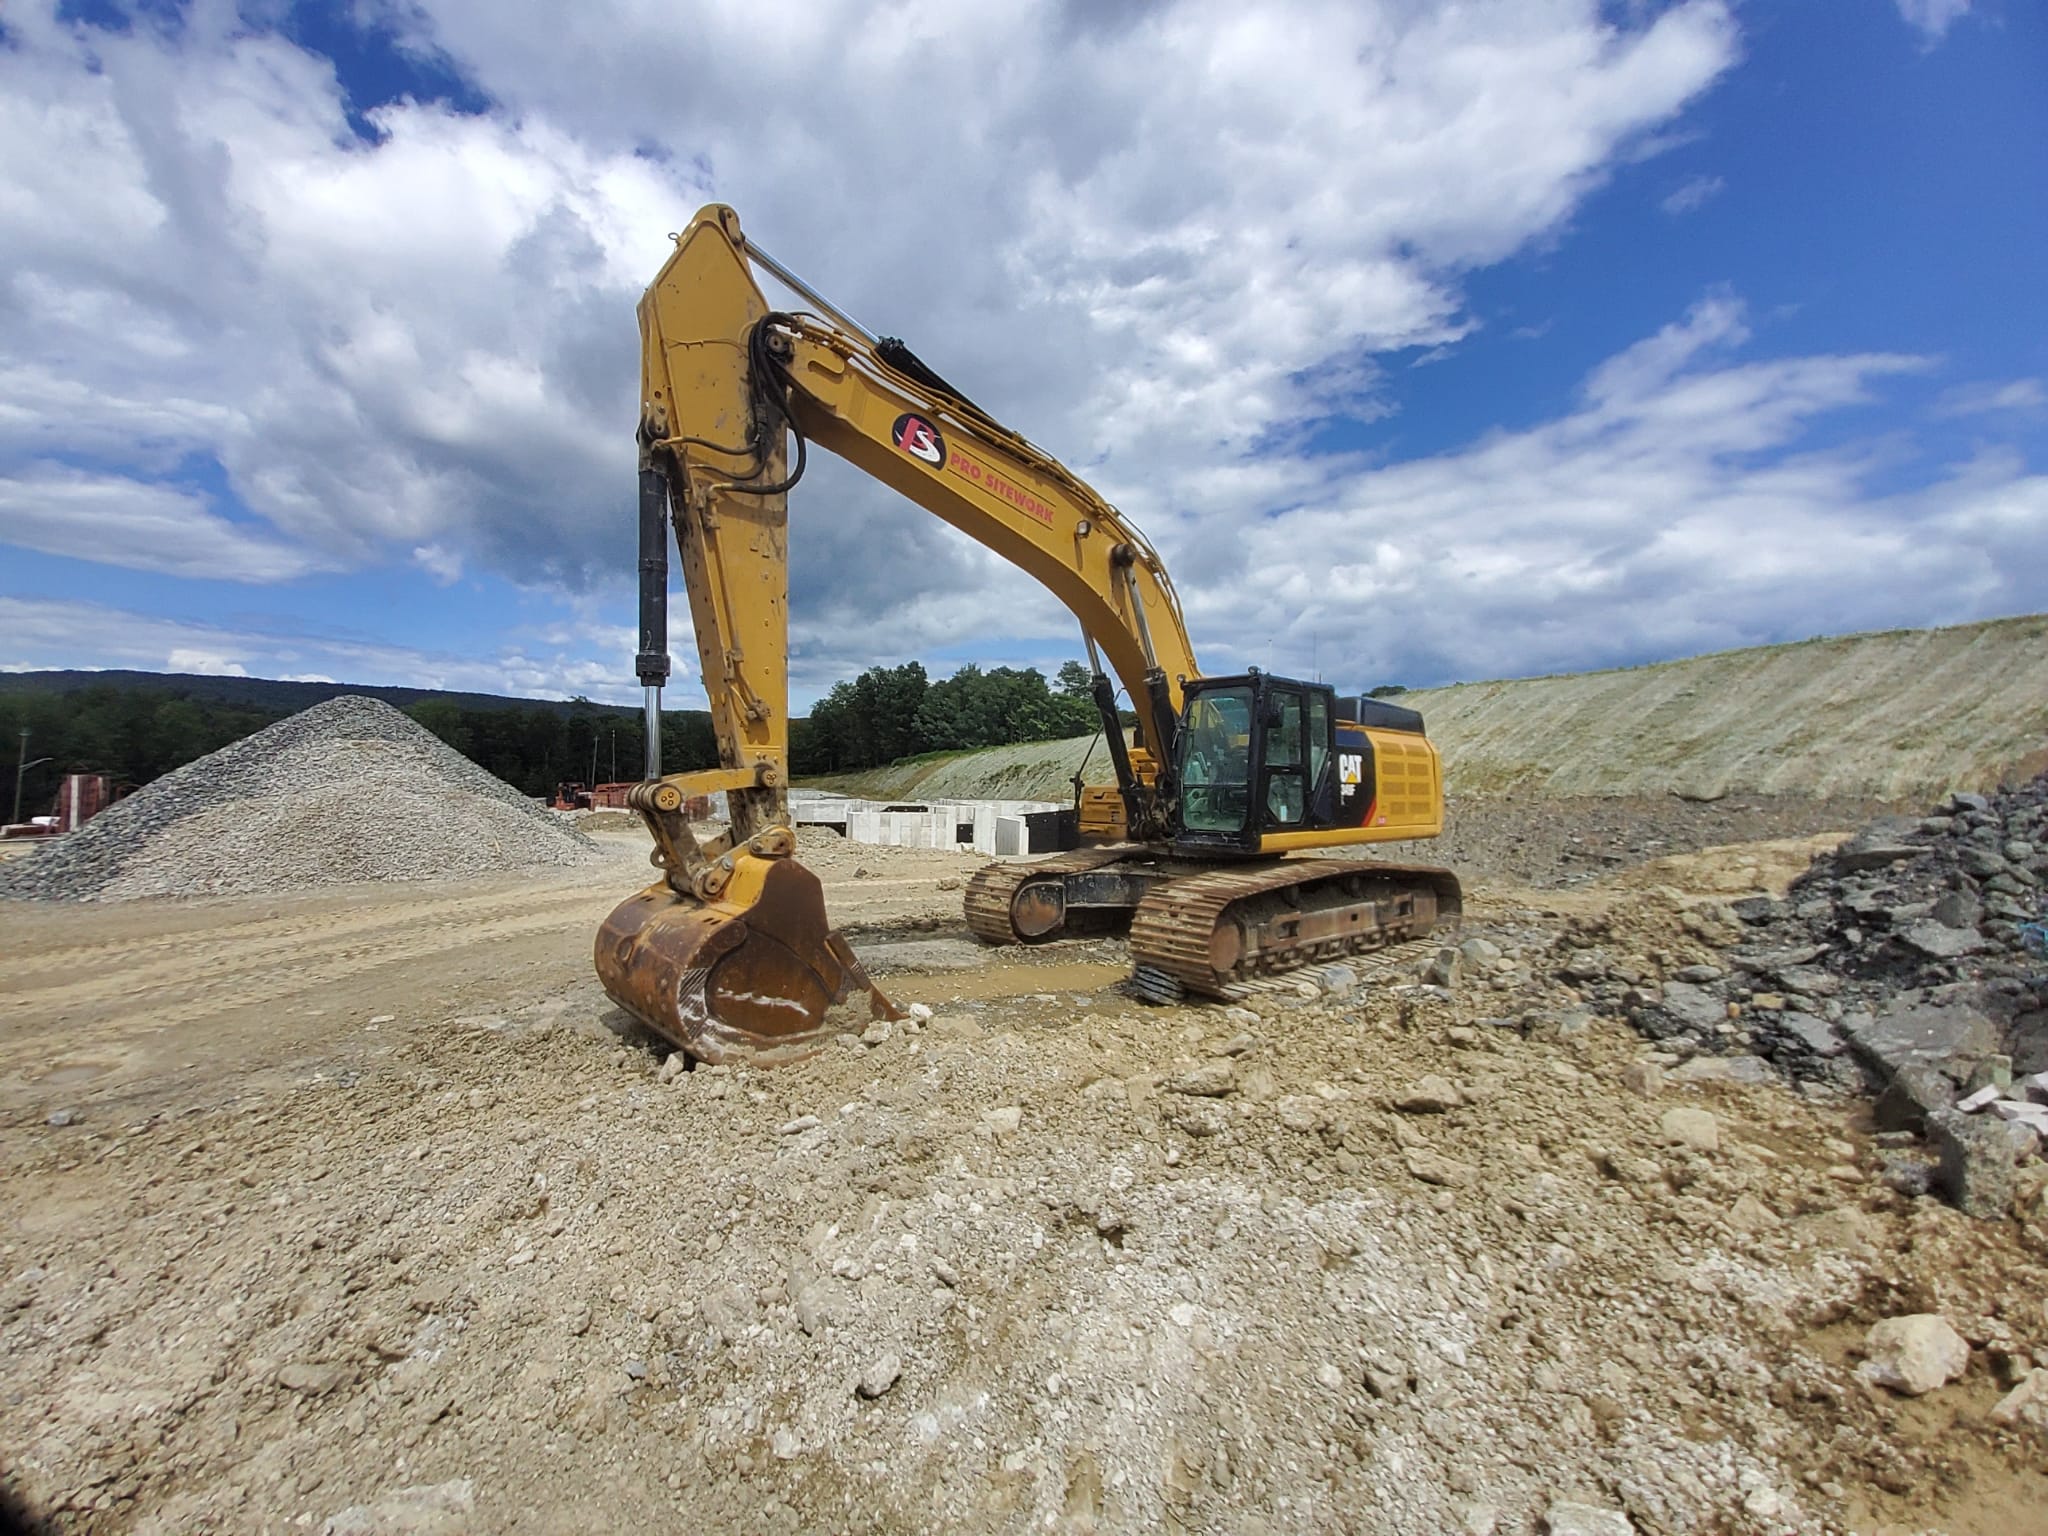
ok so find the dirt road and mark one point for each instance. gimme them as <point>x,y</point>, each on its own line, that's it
<point>373,1216</point>
<point>143,999</point>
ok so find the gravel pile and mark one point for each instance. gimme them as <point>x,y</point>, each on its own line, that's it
<point>348,790</point>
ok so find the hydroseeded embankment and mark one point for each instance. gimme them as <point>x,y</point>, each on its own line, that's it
<point>1896,715</point>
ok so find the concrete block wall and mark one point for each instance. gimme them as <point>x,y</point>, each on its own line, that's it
<point>998,827</point>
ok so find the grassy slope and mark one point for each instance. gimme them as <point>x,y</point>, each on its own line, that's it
<point>1033,770</point>
<point>1897,715</point>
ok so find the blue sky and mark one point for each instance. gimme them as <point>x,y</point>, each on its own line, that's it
<point>1533,336</point>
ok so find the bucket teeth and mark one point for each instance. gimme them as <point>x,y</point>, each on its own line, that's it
<point>756,976</point>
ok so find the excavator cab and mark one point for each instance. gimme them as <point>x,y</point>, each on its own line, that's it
<point>1255,756</point>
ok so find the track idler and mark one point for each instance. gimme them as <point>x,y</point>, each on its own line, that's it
<point>754,976</point>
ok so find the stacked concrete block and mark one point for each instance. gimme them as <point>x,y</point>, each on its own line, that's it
<point>993,827</point>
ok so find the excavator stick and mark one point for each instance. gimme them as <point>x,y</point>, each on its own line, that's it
<point>753,976</point>
<point>729,956</point>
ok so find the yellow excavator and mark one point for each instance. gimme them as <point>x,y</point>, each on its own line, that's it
<point>1193,851</point>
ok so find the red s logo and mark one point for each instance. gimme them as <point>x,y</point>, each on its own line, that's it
<point>916,436</point>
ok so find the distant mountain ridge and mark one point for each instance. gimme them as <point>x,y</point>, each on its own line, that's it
<point>138,726</point>
<point>274,693</point>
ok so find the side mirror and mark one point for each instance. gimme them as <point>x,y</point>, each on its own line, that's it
<point>1274,714</point>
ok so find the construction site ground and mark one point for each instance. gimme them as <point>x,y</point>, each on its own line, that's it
<point>364,1211</point>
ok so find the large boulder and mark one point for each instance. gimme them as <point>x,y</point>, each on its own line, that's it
<point>1950,1037</point>
<point>1910,1097</point>
<point>1975,1172</point>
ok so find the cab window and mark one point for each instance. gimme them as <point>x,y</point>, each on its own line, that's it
<point>1215,761</point>
<point>1286,793</point>
<point>1318,737</point>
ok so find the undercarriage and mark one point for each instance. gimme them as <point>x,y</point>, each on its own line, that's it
<point>1214,930</point>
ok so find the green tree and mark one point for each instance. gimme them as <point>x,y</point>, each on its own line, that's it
<point>973,708</point>
<point>864,723</point>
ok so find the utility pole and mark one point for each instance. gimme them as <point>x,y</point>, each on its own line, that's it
<point>20,768</point>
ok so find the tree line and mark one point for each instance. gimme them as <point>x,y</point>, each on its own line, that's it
<point>137,734</point>
<point>889,713</point>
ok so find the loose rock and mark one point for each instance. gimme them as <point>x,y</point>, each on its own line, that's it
<point>1587,1520</point>
<point>1209,1080</point>
<point>1913,1094</point>
<point>1432,1168</point>
<point>1689,1127</point>
<point>1003,1121</point>
<point>879,1376</point>
<point>1431,1095</point>
<point>2026,1403</point>
<point>1643,1078</point>
<point>439,1509</point>
<point>1975,1172</point>
<point>1914,1355</point>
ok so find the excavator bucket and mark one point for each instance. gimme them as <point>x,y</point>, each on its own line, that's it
<point>755,976</point>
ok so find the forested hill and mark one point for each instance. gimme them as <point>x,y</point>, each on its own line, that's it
<point>138,726</point>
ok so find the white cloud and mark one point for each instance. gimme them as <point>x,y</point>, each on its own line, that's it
<point>206,663</point>
<point>445,565</point>
<point>1145,233</point>
<point>1692,194</point>
<point>1682,507</point>
<point>2019,396</point>
<point>1933,18</point>
<point>426,342</point>
<point>143,526</point>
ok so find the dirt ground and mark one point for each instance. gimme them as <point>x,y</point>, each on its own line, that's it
<point>364,1211</point>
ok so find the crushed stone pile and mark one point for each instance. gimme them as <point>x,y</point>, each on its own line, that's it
<point>349,790</point>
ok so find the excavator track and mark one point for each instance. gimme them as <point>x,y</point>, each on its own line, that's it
<point>1223,932</point>
<point>994,912</point>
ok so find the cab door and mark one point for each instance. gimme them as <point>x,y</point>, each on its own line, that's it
<point>1284,778</point>
<point>1298,777</point>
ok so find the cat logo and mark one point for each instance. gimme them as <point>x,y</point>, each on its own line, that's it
<point>1350,768</point>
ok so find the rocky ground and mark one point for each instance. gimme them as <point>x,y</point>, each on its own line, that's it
<point>439,1243</point>
<point>1575,841</point>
